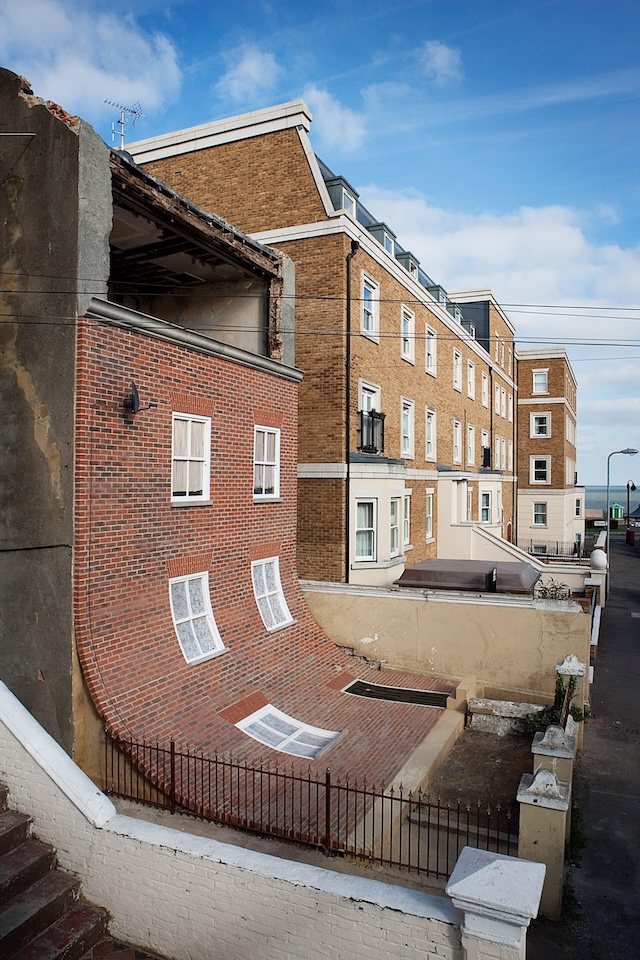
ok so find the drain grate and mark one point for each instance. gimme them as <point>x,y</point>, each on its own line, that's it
<point>375,691</point>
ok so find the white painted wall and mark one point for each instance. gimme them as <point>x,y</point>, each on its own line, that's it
<point>192,898</point>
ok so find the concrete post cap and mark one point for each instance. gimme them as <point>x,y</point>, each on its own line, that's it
<point>544,790</point>
<point>554,742</point>
<point>571,667</point>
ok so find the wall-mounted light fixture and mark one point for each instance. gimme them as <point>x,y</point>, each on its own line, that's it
<point>132,403</point>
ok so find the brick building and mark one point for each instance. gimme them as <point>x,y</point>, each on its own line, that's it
<point>150,408</point>
<point>551,505</point>
<point>407,429</point>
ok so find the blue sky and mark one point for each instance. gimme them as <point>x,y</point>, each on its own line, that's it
<point>500,140</point>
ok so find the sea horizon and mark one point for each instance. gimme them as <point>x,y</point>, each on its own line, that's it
<point>596,497</point>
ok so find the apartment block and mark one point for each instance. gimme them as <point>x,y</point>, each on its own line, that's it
<point>407,432</point>
<point>550,501</point>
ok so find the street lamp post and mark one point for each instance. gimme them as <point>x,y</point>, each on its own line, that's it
<point>630,486</point>
<point>629,452</point>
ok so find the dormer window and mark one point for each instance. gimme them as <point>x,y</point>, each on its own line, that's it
<point>409,262</point>
<point>387,242</point>
<point>343,196</point>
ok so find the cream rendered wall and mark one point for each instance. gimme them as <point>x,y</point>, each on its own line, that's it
<point>510,644</point>
<point>384,569</point>
<point>456,540</point>
<point>562,523</point>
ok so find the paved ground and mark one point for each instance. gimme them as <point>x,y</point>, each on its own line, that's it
<point>603,922</point>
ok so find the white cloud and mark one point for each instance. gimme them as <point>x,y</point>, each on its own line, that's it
<point>250,71</point>
<point>335,127</point>
<point>440,63</point>
<point>79,58</point>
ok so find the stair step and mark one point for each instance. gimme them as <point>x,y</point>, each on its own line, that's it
<point>69,938</point>
<point>14,828</point>
<point>31,911</point>
<point>24,865</point>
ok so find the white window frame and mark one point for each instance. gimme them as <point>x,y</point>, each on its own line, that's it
<point>270,602</point>
<point>407,334</point>
<point>471,444</point>
<point>370,396</point>
<point>370,312</point>
<point>457,441</point>
<point>372,555</point>
<point>503,453</point>
<point>533,417</point>
<point>485,390</point>
<point>485,506</point>
<point>496,405</point>
<point>394,526</point>
<point>510,457</point>
<point>286,734</point>
<point>510,407</point>
<point>406,520</point>
<point>201,615</point>
<point>578,507</point>
<point>430,434</point>
<point>503,403</point>
<point>457,370</point>
<point>188,458</point>
<point>471,379</point>
<point>428,525</point>
<point>540,513</point>
<point>540,381</point>
<point>496,450</point>
<point>260,466</point>
<point>431,351</point>
<point>407,428</point>
<point>532,470</point>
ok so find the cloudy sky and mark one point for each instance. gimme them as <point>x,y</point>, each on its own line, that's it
<point>498,138</point>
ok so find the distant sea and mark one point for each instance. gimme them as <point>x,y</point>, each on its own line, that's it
<point>596,497</point>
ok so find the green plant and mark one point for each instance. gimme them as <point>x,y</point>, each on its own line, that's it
<point>539,721</point>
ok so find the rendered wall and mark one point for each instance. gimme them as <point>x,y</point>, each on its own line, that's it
<point>47,200</point>
<point>511,649</point>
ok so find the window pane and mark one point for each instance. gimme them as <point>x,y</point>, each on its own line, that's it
<point>365,514</point>
<point>277,610</point>
<point>179,600</point>
<point>196,597</point>
<point>269,479</point>
<point>259,445</point>
<point>264,734</point>
<point>197,438</point>
<point>271,447</point>
<point>187,640</point>
<point>258,478</point>
<point>203,633</point>
<point>180,438</point>
<point>270,576</point>
<point>279,723</point>
<point>196,470</point>
<point>364,543</point>
<point>258,579</point>
<point>179,478</point>
<point>265,612</point>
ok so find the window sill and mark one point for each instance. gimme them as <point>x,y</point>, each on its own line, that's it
<point>374,337</point>
<point>430,540</point>
<point>407,546</point>
<point>267,499</point>
<point>191,503</point>
<point>207,656</point>
<point>377,564</point>
<point>280,626</point>
<point>431,373</point>
<point>410,360</point>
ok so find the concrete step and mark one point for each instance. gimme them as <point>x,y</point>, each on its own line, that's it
<point>31,911</point>
<point>23,865</point>
<point>69,938</point>
<point>14,829</point>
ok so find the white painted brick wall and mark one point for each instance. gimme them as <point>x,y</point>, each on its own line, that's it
<point>191,898</point>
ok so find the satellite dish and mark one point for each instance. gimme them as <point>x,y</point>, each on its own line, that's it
<point>132,402</point>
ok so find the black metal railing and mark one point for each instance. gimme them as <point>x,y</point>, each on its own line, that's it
<point>371,431</point>
<point>553,549</point>
<point>399,829</point>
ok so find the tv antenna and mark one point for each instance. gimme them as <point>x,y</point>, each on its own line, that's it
<point>134,111</point>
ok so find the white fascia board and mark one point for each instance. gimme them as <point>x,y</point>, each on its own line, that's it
<point>342,223</point>
<point>312,160</point>
<point>544,401</point>
<point>469,296</point>
<point>322,471</point>
<point>295,113</point>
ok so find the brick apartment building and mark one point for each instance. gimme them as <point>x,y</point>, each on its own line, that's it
<point>148,562</point>
<point>551,511</point>
<point>407,429</point>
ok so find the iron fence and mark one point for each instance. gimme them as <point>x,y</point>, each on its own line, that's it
<point>553,549</point>
<point>409,831</point>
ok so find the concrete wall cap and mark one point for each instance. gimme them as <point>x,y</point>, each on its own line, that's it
<point>571,667</point>
<point>554,742</point>
<point>544,790</point>
<point>497,886</point>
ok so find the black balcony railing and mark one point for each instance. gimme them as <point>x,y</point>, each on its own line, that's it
<point>486,457</point>
<point>371,431</point>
